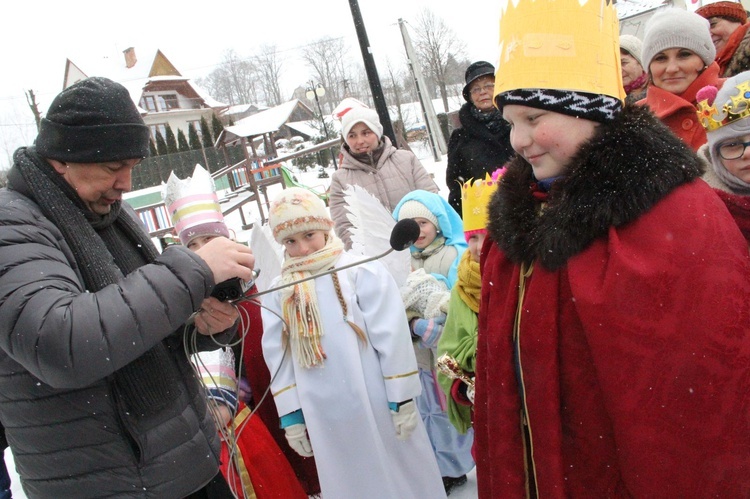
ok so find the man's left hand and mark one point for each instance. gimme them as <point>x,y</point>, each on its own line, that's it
<point>215,316</point>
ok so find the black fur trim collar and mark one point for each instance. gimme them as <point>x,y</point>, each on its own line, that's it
<point>625,169</point>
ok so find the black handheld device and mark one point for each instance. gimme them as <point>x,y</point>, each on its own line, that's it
<point>232,289</point>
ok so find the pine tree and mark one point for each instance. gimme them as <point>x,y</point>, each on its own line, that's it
<point>171,140</point>
<point>195,141</point>
<point>182,143</point>
<point>206,133</point>
<point>216,126</point>
<point>152,147</point>
<point>161,146</point>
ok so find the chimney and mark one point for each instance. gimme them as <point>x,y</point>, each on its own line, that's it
<point>130,58</point>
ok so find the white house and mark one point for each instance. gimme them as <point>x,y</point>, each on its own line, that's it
<point>162,94</point>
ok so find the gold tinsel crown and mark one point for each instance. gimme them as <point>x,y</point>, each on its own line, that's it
<point>737,108</point>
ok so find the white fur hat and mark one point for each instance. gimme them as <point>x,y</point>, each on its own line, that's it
<point>297,210</point>
<point>359,114</point>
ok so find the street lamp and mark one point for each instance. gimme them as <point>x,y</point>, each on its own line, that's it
<point>314,91</point>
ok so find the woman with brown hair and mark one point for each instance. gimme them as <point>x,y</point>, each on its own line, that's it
<point>679,57</point>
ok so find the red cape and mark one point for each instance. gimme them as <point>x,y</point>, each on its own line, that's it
<point>259,379</point>
<point>635,357</point>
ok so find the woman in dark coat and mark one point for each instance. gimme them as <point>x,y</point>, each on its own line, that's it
<point>482,144</point>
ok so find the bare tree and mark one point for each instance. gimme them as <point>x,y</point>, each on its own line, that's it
<point>234,81</point>
<point>34,106</point>
<point>269,71</point>
<point>326,57</point>
<point>438,49</point>
<point>16,130</point>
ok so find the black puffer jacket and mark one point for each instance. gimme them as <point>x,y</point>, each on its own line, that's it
<point>59,347</point>
<point>473,151</point>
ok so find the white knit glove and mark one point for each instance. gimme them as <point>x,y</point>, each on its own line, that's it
<point>405,420</point>
<point>296,435</point>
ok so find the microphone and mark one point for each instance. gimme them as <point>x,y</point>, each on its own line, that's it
<point>403,235</point>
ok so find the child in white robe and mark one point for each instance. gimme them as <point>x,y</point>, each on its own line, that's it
<point>344,373</point>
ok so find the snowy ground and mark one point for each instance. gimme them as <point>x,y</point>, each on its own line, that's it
<point>310,178</point>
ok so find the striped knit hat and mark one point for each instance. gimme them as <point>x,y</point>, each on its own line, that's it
<point>194,207</point>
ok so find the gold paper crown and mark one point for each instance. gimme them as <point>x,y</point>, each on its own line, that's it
<point>474,199</point>
<point>737,108</point>
<point>560,44</point>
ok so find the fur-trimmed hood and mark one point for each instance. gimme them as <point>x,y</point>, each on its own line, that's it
<point>620,173</point>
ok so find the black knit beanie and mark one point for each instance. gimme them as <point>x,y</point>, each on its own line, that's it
<point>93,121</point>
<point>593,107</point>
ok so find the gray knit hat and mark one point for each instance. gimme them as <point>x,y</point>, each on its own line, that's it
<point>633,46</point>
<point>677,28</point>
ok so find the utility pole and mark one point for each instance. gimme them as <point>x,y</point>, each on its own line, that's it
<point>433,127</point>
<point>372,73</point>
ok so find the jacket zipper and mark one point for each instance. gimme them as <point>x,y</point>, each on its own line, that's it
<point>126,429</point>
<point>532,490</point>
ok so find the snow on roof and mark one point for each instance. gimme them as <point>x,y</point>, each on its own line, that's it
<point>266,121</point>
<point>630,8</point>
<point>210,101</point>
<point>307,128</point>
<point>135,78</point>
<point>236,109</point>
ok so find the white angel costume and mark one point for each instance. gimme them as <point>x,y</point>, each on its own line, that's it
<point>345,400</point>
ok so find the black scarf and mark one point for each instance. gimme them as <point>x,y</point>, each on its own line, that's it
<point>105,248</point>
<point>493,120</point>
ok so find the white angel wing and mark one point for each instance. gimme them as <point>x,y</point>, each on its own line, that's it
<point>371,231</point>
<point>268,255</point>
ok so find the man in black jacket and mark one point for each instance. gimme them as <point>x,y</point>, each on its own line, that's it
<point>98,396</point>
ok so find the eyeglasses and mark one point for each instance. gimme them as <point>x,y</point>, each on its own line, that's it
<point>484,88</point>
<point>732,150</point>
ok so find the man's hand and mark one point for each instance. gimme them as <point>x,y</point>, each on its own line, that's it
<point>227,259</point>
<point>215,316</point>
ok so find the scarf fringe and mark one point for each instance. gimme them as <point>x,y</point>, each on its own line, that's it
<point>300,302</point>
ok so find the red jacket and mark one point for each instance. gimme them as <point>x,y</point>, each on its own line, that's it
<point>634,337</point>
<point>678,112</point>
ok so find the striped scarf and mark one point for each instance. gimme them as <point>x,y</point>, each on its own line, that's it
<point>299,303</point>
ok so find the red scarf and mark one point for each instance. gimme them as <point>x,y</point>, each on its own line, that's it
<point>637,83</point>
<point>725,57</point>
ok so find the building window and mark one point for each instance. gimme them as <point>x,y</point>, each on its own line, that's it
<point>169,101</point>
<point>197,125</point>
<point>160,128</point>
<point>148,102</point>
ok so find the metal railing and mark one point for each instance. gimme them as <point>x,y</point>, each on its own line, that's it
<point>245,184</point>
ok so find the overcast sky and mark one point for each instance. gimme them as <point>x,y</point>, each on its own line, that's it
<point>38,36</point>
